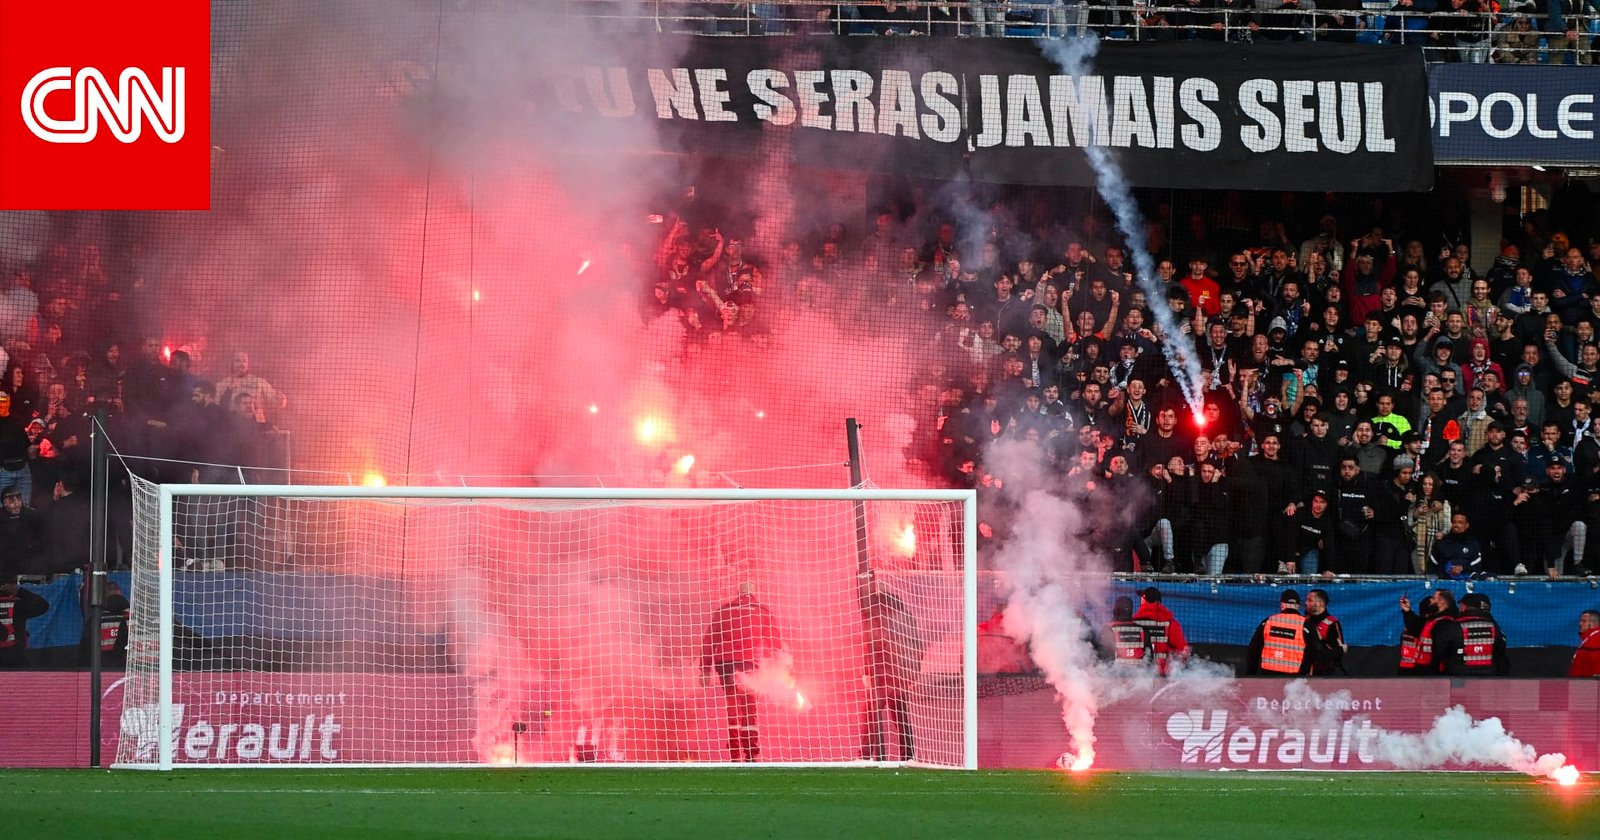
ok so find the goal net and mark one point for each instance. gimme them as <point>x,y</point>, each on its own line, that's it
<point>354,626</point>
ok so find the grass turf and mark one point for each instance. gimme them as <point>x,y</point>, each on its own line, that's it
<point>705,804</point>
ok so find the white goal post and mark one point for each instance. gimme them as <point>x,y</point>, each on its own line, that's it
<point>317,626</point>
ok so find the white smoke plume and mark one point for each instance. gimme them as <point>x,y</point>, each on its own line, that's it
<point>1053,579</point>
<point>773,680</point>
<point>1456,738</point>
<point>1075,56</point>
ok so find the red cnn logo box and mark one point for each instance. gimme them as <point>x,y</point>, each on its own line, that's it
<point>105,105</point>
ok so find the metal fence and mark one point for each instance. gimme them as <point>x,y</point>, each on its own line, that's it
<point>1508,37</point>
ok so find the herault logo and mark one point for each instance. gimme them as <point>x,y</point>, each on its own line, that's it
<point>1205,737</point>
<point>104,105</point>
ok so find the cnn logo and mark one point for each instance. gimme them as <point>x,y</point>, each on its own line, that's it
<point>105,105</point>
<point>125,109</point>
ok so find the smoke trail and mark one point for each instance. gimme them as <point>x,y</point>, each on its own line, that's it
<point>1076,57</point>
<point>1053,579</point>
<point>1456,738</point>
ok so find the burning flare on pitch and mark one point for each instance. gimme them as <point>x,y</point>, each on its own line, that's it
<point>1566,775</point>
<point>1076,763</point>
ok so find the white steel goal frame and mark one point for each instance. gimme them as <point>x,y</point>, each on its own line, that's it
<point>166,562</point>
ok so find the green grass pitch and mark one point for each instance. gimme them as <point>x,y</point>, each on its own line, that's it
<point>706,804</point>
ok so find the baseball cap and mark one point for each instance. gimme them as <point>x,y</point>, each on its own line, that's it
<point>1289,596</point>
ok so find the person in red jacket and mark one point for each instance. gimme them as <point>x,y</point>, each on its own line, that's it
<point>1166,635</point>
<point>1586,662</point>
<point>741,634</point>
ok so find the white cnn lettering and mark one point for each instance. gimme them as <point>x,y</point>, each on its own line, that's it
<point>125,110</point>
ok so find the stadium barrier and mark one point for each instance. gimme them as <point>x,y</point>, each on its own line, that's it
<point>271,718</point>
<point>1535,612</point>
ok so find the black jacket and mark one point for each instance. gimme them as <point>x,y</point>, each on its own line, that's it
<point>22,606</point>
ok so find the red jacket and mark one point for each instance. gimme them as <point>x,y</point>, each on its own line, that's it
<point>1586,662</point>
<point>1175,644</point>
<point>742,632</point>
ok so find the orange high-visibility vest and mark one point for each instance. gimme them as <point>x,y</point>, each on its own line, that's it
<point>1283,643</point>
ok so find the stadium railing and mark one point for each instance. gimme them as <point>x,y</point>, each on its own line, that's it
<point>1375,23</point>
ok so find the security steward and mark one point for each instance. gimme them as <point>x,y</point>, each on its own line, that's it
<point>1438,615</point>
<point>1278,647</point>
<point>17,605</point>
<point>1131,643</point>
<point>1473,645</point>
<point>742,633</point>
<point>1326,648</point>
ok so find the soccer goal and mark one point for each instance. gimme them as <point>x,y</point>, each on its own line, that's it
<point>360,626</point>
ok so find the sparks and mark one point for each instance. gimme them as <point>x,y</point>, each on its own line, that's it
<point>800,701</point>
<point>761,415</point>
<point>594,409</point>
<point>583,268</point>
<point>166,353</point>
<point>475,296</point>
<point>374,479</point>
<point>683,465</point>
<point>1565,776</point>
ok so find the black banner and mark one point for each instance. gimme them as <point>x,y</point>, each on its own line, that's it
<point>1187,115</point>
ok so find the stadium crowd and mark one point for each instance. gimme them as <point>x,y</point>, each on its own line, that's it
<point>1366,405</point>
<point>60,369</point>
<point>1470,31</point>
